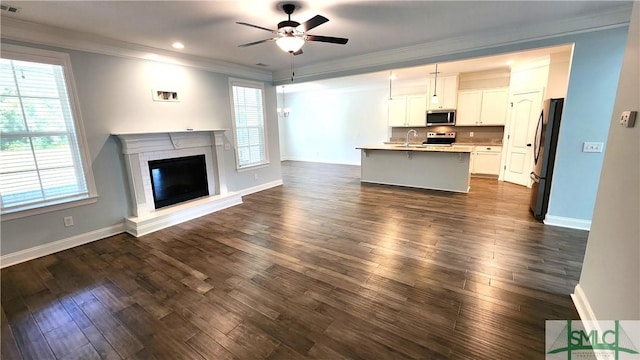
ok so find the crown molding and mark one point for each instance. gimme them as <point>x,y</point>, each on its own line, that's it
<point>30,32</point>
<point>446,49</point>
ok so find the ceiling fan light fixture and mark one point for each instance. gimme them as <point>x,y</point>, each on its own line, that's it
<point>290,43</point>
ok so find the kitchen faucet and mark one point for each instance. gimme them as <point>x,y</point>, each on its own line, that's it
<point>415,133</point>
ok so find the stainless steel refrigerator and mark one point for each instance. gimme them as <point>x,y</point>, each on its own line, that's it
<point>544,155</point>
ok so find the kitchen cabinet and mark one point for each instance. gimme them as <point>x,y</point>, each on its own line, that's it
<point>487,107</point>
<point>485,160</point>
<point>398,111</point>
<point>447,91</point>
<point>494,106</point>
<point>469,107</point>
<point>408,110</point>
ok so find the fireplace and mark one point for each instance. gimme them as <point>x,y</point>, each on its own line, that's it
<point>198,186</point>
<point>178,179</point>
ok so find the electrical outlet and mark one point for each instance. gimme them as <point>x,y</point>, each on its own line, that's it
<point>227,146</point>
<point>628,118</point>
<point>471,134</point>
<point>592,147</point>
<point>255,176</point>
<point>68,221</point>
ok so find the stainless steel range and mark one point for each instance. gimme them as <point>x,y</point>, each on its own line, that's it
<point>440,138</point>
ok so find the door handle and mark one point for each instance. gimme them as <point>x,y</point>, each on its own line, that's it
<point>529,145</point>
<point>534,177</point>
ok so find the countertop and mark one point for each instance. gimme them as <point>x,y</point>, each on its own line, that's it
<point>419,147</point>
<point>479,144</point>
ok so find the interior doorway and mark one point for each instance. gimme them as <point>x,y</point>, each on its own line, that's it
<point>525,110</point>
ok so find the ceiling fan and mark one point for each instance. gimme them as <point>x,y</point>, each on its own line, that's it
<point>291,35</point>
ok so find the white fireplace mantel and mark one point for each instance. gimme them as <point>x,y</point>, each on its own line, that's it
<point>140,148</point>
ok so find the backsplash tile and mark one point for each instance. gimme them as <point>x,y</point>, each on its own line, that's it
<point>481,134</point>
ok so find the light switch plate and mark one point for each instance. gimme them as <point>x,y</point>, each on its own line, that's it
<point>628,118</point>
<point>592,147</point>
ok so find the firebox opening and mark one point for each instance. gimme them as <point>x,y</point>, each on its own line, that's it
<point>179,179</point>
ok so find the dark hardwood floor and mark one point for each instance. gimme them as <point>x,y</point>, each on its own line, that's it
<point>322,267</point>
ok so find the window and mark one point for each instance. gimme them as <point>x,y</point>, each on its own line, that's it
<point>42,163</point>
<point>248,124</point>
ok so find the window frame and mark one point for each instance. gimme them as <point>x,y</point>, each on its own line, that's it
<point>22,53</point>
<point>256,85</point>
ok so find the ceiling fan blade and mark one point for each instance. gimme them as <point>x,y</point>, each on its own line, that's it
<point>256,26</point>
<point>299,52</point>
<point>256,42</point>
<point>328,39</point>
<point>311,23</point>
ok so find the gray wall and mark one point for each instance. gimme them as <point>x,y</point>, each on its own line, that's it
<point>610,276</point>
<point>115,96</point>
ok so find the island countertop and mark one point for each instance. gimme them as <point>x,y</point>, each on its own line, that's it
<point>419,147</point>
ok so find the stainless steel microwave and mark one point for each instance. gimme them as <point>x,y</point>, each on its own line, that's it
<point>441,117</point>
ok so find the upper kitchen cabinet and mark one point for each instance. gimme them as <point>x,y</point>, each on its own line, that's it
<point>469,107</point>
<point>447,91</point>
<point>486,107</point>
<point>408,110</point>
<point>398,111</point>
<point>494,106</point>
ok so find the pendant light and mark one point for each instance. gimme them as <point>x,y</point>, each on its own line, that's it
<point>434,98</point>
<point>284,110</point>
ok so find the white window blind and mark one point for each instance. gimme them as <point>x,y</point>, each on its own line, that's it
<point>248,109</point>
<point>40,160</point>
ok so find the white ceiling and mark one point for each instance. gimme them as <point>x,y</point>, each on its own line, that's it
<point>208,28</point>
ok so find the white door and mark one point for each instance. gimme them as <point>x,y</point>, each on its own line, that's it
<point>525,112</point>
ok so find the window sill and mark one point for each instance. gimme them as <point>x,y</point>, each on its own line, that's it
<point>26,212</point>
<point>253,167</point>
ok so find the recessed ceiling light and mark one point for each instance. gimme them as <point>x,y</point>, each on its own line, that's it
<point>177,45</point>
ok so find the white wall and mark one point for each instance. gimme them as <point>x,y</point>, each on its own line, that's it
<point>115,96</point>
<point>558,75</point>
<point>530,76</point>
<point>610,278</point>
<point>327,125</point>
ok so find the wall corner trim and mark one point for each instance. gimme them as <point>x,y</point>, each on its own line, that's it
<point>60,245</point>
<point>567,222</point>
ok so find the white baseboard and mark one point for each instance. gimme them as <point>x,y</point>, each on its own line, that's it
<point>260,187</point>
<point>319,161</point>
<point>60,245</point>
<point>587,316</point>
<point>572,223</point>
<point>582,304</point>
<point>160,219</point>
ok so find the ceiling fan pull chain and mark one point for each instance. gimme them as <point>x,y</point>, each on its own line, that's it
<point>293,74</point>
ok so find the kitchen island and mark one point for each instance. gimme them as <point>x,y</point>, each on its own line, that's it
<point>426,167</point>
